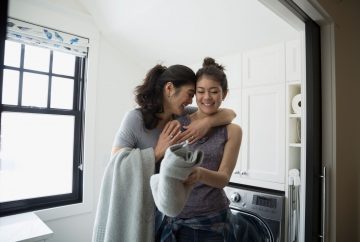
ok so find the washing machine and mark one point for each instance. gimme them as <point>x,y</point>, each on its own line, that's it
<point>258,214</point>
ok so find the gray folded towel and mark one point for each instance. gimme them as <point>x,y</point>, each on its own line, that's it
<point>169,192</point>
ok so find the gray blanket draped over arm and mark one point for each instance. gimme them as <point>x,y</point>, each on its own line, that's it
<point>125,211</point>
<point>169,192</point>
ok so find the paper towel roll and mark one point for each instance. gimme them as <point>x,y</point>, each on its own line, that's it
<point>296,104</point>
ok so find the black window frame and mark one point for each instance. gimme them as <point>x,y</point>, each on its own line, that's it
<point>78,111</point>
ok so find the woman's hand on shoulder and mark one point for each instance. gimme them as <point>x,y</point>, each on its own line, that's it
<point>198,128</point>
<point>195,130</point>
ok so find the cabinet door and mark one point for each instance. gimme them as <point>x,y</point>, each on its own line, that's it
<point>263,148</point>
<point>264,66</point>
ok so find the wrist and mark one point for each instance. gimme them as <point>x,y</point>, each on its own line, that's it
<point>209,122</point>
<point>200,173</point>
<point>157,156</point>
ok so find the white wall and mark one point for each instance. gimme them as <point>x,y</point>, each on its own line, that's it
<point>118,76</point>
<point>111,80</point>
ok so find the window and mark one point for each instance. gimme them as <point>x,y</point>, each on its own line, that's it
<point>41,128</point>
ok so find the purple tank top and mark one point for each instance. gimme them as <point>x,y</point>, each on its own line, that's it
<point>204,199</point>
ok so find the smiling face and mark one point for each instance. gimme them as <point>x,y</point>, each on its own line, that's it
<point>209,95</point>
<point>178,98</point>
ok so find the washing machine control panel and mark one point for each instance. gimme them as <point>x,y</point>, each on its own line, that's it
<point>235,197</point>
<point>264,204</point>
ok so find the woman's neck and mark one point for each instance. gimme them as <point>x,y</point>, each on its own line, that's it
<point>163,119</point>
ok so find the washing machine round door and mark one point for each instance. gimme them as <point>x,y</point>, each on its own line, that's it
<point>250,228</point>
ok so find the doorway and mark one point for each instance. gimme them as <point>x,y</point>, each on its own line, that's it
<point>313,120</point>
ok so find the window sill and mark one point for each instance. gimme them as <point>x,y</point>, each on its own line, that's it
<point>64,211</point>
<point>26,227</point>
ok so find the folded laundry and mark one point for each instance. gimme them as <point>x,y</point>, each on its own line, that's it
<point>169,192</point>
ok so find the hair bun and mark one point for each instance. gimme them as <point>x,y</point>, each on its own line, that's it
<point>208,61</point>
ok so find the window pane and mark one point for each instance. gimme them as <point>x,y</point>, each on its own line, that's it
<point>10,87</point>
<point>35,90</point>
<point>12,53</point>
<point>62,93</point>
<point>36,58</point>
<point>63,63</point>
<point>36,155</point>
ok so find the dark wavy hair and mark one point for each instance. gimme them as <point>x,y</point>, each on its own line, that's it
<point>149,95</point>
<point>214,71</point>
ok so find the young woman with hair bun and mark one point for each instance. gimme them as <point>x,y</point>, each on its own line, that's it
<point>206,214</point>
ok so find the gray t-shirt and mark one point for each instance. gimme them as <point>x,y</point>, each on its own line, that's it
<point>133,134</point>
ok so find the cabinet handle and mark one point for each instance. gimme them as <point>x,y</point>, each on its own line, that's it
<point>324,208</point>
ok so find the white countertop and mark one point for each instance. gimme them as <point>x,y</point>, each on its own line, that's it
<point>23,227</point>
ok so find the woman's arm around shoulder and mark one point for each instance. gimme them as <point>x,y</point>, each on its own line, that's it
<point>199,128</point>
<point>222,117</point>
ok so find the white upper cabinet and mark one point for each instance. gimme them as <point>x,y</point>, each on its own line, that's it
<point>270,79</point>
<point>262,160</point>
<point>264,66</point>
<point>263,148</point>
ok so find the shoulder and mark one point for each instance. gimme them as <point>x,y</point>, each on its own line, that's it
<point>132,119</point>
<point>134,114</point>
<point>234,130</point>
<point>130,129</point>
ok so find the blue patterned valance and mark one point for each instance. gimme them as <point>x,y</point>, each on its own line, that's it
<point>32,34</point>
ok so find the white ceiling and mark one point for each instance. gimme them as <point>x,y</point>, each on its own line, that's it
<point>168,31</point>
